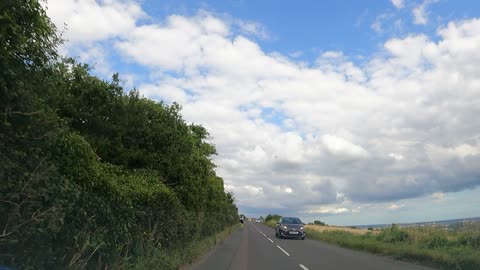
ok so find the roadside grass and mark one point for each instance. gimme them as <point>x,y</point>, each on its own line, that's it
<point>175,259</point>
<point>431,246</point>
<point>321,228</point>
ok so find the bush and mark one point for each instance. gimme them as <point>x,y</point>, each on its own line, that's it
<point>92,176</point>
<point>470,238</point>
<point>393,235</point>
<point>273,217</point>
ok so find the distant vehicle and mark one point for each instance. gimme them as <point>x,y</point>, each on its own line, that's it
<point>258,221</point>
<point>290,227</point>
<point>242,218</point>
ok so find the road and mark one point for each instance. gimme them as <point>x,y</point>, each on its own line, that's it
<point>255,247</point>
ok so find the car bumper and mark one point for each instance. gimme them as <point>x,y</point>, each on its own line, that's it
<point>292,234</point>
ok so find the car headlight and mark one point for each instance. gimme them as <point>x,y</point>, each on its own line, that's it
<point>301,228</point>
<point>284,227</point>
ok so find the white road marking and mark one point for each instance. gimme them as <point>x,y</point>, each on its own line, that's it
<point>264,235</point>
<point>270,240</point>
<point>303,267</point>
<point>286,253</point>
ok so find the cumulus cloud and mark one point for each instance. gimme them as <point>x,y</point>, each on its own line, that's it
<point>90,20</point>
<point>342,148</point>
<point>398,3</point>
<point>314,137</point>
<point>328,210</point>
<point>420,13</point>
<point>395,206</point>
<point>438,196</point>
<point>380,21</point>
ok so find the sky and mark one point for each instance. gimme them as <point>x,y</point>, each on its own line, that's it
<point>348,112</point>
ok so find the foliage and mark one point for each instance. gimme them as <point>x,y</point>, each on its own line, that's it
<point>319,223</point>
<point>271,223</point>
<point>393,235</point>
<point>273,217</point>
<point>176,257</point>
<point>92,175</point>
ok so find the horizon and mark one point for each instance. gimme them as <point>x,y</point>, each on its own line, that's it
<point>346,112</point>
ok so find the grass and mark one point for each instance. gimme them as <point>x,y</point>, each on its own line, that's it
<point>336,228</point>
<point>174,259</point>
<point>431,246</point>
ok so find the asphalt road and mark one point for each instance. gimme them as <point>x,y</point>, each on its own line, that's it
<point>255,247</point>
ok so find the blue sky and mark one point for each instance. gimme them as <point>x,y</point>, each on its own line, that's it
<point>316,26</point>
<point>351,112</point>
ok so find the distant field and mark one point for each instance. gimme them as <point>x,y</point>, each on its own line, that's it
<point>459,249</point>
<point>335,228</point>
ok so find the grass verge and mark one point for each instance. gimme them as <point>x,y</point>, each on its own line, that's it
<point>428,246</point>
<point>174,259</point>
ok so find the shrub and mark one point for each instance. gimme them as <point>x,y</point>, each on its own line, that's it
<point>393,235</point>
<point>92,175</point>
<point>319,223</point>
<point>470,238</point>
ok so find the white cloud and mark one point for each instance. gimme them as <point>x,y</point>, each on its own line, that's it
<point>398,3</point>
<point>90,20</point>
<point>233,83</point>
<point>165,92</point>
<point>380,21</point>
<point>348,125</point>
<point>420,13</point>
<point>438,196</point>
<point>462,151</point>
<point>296,54</point>
<point>328,210</point>
<point>396,157</point>
<point>342,148</point>
<point>332,55</point>
<point>252,28</point>
<point>395,206</point>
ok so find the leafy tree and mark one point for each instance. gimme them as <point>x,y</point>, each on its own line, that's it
<point>318,222</point>
<point>273,217</point>
<point>28,132</point>
<point>92,175</point>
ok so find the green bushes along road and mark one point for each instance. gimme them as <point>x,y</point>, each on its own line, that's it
<point>92,176</point>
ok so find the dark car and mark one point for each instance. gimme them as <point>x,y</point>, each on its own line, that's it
<point>290,227</point>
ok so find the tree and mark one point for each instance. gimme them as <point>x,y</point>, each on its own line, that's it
<point>93,176</point>
<point>273,217</point>
<point>319,223</point>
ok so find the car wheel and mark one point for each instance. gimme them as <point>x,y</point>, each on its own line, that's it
<point>279,235</point>
<point>303,238</point>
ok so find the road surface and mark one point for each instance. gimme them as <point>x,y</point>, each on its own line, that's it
<point>255,247</point>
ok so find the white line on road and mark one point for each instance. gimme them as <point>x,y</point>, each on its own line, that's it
<point>303,267</point>
<point>286,253</point>
<point>264,235</point>
<point>270,240</point>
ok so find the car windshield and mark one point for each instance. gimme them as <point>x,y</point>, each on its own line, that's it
<point>289,220</point>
